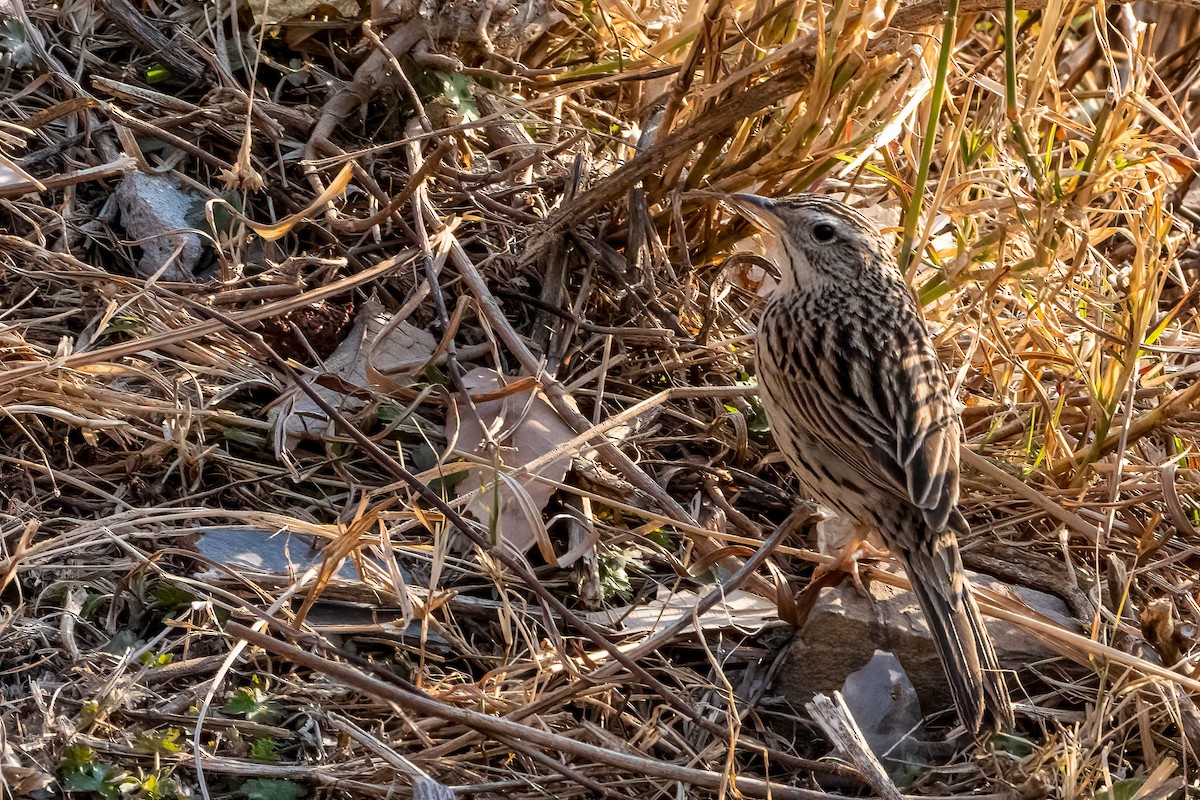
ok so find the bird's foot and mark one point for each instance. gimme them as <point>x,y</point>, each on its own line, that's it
<point>847,563</point>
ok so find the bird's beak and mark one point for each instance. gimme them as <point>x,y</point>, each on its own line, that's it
<point>758,209</point>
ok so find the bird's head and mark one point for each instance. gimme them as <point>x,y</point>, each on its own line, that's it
<point>821,239</point>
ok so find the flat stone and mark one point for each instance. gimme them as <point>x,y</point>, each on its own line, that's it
<point>844,630</point>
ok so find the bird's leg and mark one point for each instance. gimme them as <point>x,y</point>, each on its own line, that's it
<point>856,547</point>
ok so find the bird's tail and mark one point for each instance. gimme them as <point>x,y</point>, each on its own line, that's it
<point>977,685</point>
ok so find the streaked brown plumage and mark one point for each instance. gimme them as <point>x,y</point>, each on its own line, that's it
<point>859,405</point>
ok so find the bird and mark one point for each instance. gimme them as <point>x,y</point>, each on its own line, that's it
<point>860,407</point>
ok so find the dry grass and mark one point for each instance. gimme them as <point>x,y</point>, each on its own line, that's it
<point>543,212</point>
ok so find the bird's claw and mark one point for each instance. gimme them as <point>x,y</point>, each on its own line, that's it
<point>847,563</point>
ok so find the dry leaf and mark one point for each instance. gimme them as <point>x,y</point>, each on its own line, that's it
<point>526,427</point>
<point>373,346</point>
<point>740,609</point>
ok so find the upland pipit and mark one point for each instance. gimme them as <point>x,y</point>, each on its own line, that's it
<point>859,405</point>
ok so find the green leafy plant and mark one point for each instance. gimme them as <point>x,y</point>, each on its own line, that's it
<point>264,748</point>
<point>252,703</point>
<point>159,742</point>
<point>614,568</point>
<point>82,771</point>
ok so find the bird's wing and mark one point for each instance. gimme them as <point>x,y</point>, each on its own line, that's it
<point>928,435</point>
<point>877,398</point>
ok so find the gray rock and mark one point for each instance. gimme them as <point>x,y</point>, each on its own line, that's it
<point>265,551</point>
<point>1015,646</point>
<point>844,630</point>
<point>886,709</point>
<point>883,702</point>
<point>156,214</point>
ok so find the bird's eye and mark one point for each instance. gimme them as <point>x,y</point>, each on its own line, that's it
<point>823,232</point>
